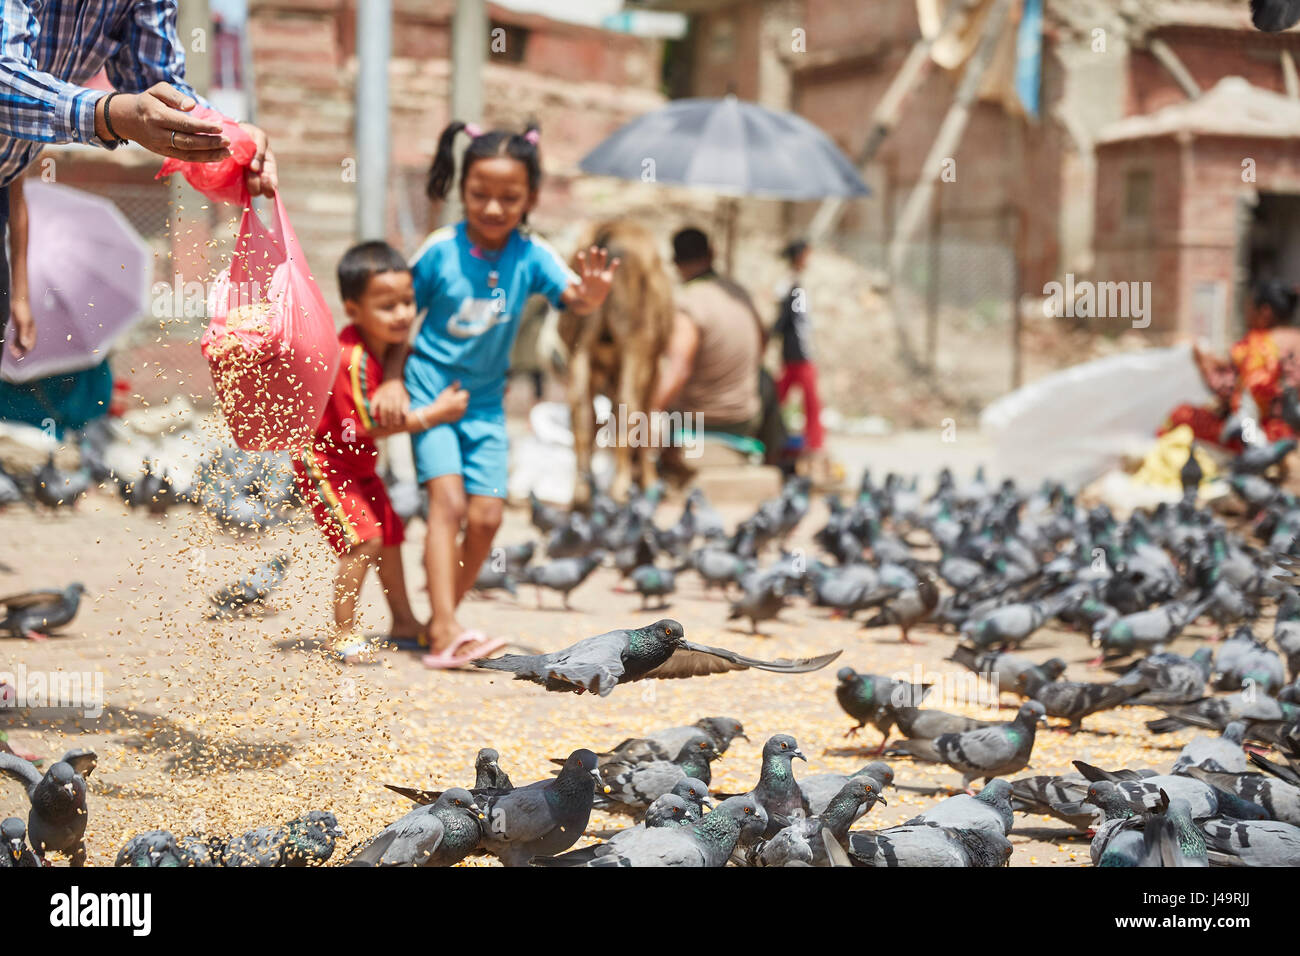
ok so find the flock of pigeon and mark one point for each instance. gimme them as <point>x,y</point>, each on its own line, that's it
<point>987,561</point>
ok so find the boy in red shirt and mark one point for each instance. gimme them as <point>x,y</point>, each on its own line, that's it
<point>338,475</point>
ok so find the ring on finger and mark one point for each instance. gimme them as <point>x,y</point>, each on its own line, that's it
<point>173,139</point>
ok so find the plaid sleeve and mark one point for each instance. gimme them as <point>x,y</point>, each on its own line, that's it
<point>35,105</point>
<point>151,51</point>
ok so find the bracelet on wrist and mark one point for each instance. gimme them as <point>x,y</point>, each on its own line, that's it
<point>108,121</point>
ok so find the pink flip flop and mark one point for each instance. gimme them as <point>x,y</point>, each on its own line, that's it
<point>470,646</point>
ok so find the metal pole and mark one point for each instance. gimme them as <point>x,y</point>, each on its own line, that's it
<point>469,48</point>
<point>374,49</point>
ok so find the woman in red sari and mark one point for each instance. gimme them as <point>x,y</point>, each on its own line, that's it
<point>1263,362</point>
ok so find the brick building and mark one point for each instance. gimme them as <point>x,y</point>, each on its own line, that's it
<point>1021,211</point>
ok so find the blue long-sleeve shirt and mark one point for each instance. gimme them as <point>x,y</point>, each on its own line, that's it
<point>49,49</point>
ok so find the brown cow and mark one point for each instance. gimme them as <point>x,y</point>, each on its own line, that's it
<point>615,351</point>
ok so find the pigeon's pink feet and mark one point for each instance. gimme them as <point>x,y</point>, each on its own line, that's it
<point>35,636</point>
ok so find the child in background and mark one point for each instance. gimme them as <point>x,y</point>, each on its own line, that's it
<point>794,326</point>
<point>338,476</point>
<point>471,282</point>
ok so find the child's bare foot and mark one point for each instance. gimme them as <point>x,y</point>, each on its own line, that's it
<point>407,629</point>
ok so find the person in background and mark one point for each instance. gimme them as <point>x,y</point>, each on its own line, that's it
<point>50,50</point>
<point>713,365</point>
<point>794,327</point>
<point>1262,363</point>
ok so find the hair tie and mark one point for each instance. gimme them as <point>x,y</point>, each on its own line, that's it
<point>533,136</point>
<point>473,130</point>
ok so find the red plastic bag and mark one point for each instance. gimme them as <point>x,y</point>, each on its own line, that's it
<point>271,344</point>
<point>223,181</point>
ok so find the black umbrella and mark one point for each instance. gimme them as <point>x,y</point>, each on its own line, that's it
<point>730,147</point>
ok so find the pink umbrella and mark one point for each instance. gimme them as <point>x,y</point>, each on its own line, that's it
<point>88,272</point>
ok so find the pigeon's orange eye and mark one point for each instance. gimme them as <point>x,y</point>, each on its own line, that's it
<point>747,810</point>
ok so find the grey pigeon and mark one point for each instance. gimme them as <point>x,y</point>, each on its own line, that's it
<point>253,589</point>
<point>631,788</point>
<point>918,724</point>
<point>1117,841</point>
<point>1145,794</point>
<point>907,608</point>
<point>1168,678</point>
<point>776,790</point>
<point>543,818</point>
<point>762,598</point>
<point>488,774</point>
<point>1073,700</point>
<point>819,788</point>
<point>304,841</point>
<point>1252,842</point>
<point>802,842</point>
<point>563,574</point>
<point>1171,837</point>
<point>1062,796</point>
<point>689,795</point>
<point>1002,669</point>
<point>35,613</point>
<point>927,845</point>
<point>57,819</point>
<point>1145,630</point>
<point>992,751</point>
<point>14,852</point>
<point>708,843</point>
<point>719,567</point>
<point>870,698</point>
<point>154,848</point>
<point>988,809</point>
<point>1220,754</point>
<point>651,581</point>
<point>1279,798</point>
<point>666,744</point>
<point>660,651</point>
<point>56,488</point>
<point>440,834</point>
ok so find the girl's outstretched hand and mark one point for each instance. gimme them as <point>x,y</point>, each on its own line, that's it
<point>595,276</point>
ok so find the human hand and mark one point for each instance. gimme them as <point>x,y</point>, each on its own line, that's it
<point>450,404</point>
<point>24,339</point>
<point>157,119</point>
<point>390,403</point>
<point>595,276</point>
<point>261,175</point>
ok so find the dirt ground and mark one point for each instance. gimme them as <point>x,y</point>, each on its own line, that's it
<point>221,726</point>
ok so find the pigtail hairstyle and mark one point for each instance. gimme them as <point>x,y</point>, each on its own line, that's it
<point>485,145</point>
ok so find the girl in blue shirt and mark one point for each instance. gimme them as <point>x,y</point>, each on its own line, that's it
<point>471,282</point>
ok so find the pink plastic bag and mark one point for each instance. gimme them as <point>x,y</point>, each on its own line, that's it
<point>271,344</point>
<point>223,181</point>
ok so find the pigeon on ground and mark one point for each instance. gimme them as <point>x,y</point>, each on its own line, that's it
<point>708,843</point>
<point>307,840</point>
<point>651,581</point>
<point>691,793</point>
<point>1145,630</point>
<point>761,599</point>
<point>1144,794</point>
<point>990,809</point>
<point>804,842</point>
<point>819,788</point>
<point>992,751</point>
<point>1286,631</point>
<point>776,790</point>
<point>440,834</point>
<point>666,744</point>
<point>660,651</point>
<point>563,574</point>
<point>718,567</point>
<point>1061,796</point>
<point>1117,840</point>
<point>928,845</point>
<point>1001,669</point>
<point>154,848</point>
<point>545,518</point>
<point>907,608</point>
<point>870,698</point>
<point>1219,754</point>
<point>1279,797</point>
<point>14,852</point>
<point>253,589</point>
<point>56,488</point>
<point>543,818</point>
<point>1073,700</point>
<point>1251,842</point>
<point>488,774</point>
<point>34,614</point>
<point>57,819</point>
<point>1171,837</point>
<point>491,578</point>
<point>917,724</point>
<point>631,788</point>
<point>1168,678</point>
